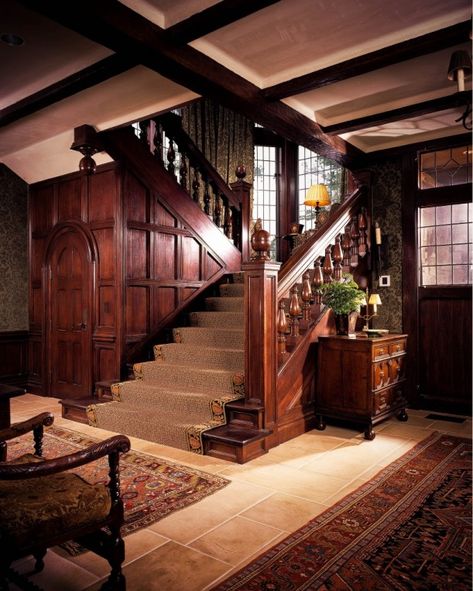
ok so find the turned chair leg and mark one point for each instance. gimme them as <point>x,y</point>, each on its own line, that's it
<point>39,563</point>
<point>116,580</point>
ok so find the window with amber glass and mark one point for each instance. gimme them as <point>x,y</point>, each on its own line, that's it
<point>445,168</point>
<point>445,244</point>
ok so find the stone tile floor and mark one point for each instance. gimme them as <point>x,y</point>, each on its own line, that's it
<point>193,549</point>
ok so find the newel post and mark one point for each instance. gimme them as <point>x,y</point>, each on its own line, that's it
<point>242,190</point>
<point>261,311</point>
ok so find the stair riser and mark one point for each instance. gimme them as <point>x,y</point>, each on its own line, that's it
<point>173,353</point>
<point>217,319</point>
<point>233,304</point>
<point>208,337</point>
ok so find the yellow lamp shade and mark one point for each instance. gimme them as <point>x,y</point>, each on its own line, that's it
<point>317,196</point>
<point>375,300</point>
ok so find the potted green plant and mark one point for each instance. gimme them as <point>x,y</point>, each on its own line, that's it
<point>344,298</point>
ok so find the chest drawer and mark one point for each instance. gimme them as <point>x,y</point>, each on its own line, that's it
<point>387,400</point>
<point>397,347</point>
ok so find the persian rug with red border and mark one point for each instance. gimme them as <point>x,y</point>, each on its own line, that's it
<point>409,528</point>
<point>151,487</point>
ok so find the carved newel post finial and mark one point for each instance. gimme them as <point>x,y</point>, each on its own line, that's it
<point>240,172</point>
<point>260,243</point>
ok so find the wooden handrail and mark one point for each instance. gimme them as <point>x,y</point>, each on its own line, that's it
<point>304,257</point>
<point>171,124</point>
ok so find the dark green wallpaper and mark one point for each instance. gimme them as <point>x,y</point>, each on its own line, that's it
<point>13,252</point>
<point>386,191</point>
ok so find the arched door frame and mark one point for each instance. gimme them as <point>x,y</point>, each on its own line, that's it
<point>84,233</point>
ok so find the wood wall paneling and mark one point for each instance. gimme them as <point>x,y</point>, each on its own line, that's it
<point>14,357</point>
<point>165,302</point>
<point>136,200</point>
<point>41,212</point>
<point>165,258</point>
<point>69,199</point>
<point>105,362</point>
<point>190,259</point>
<point>107,312</point>
<point>103,196</point>
<point>137,253</point>
<point>105,239</point>
<point>137,310</point>
<point>162,216</point>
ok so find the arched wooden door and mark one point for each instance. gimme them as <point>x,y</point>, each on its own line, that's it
<point>69,317</point>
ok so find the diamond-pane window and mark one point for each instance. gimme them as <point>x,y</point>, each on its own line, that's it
<point>445,168</point>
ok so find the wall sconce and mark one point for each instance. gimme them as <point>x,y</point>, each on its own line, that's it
<point>317,196</point>
<point>459,69</point>
<point>374,301</point>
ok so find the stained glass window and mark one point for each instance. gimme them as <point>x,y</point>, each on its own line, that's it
<point>445,168</point>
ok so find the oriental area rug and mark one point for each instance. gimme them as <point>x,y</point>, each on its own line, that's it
<point>151,487</point>
<point>409,528</point>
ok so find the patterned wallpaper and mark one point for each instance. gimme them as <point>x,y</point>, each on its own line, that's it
<point>386,191</point>
<point>13,252</point>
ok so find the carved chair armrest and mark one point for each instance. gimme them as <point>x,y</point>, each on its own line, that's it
<point>111,446</point>
<point>45,419</point>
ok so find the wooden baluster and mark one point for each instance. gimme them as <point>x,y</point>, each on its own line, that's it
<point>183,172</point>
<point>306,297</point>
<point>207,208</point>
<point>346,247</point>
<point>317,281</point>
<point>237,229</point>
<point>196,186</point>
<point>328,266</point>
<point>144,132</point>
<point>218,210</point>
<point>294,313</point>
<point>355,234</point>
<point>283,329</point>
<point>228,222</point>
<point>158,141</point>
<point>171,156</point>
<point>362,225</point>
<point>337,260</point>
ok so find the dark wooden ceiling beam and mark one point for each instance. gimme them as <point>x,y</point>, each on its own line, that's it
<point>112,24</point>
<point>94,74</point>
<point>213,18</point>
<point>434,105</point>
<point>381,58</point>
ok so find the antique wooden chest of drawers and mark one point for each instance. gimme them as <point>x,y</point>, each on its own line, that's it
<point>361,379</point>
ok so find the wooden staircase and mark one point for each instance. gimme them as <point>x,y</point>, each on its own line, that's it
<point>283,311</point>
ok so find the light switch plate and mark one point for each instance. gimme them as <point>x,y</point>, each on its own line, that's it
<point>384,280</point>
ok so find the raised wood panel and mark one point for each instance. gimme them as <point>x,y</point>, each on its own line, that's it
<point>191,254</point>
<point>211,266</point>
<point>445,363</point>
<point>36,307</point>
<point>106,316</point>
<point>137,310</point>
<point>136,200</point>
<point>69,199</point>
<point>187,292</point>
<point>105,362</point>
<point>103,196</point>
<point>36,259</point>
<point>106,247</point>
<point>42,209</point>
<point>13,357</point>
<point>162,216</point>
<point>35,360</point>
<point>164,302</point>
<point>165,246</point>
<point>137,254</point>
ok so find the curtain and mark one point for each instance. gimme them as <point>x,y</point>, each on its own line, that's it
<point>223,136</point>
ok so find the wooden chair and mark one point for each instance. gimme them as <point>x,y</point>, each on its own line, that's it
<point>43,504</point>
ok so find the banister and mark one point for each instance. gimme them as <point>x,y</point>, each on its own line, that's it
<point>314,247</point>
<point>171,125</point>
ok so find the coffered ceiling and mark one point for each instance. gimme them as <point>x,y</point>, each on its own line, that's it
<point>343,78</point>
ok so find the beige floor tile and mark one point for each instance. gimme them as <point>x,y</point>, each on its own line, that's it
<point>227,543</point>
<point>458,429</point>
<point>234,498</point>
<point>247,561</point>
<point>301,483</point>
<point>59,574</point>
<point>172,567</point>
<point>137,544</point>
<point>284,512</point>
<point>406,431</point>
